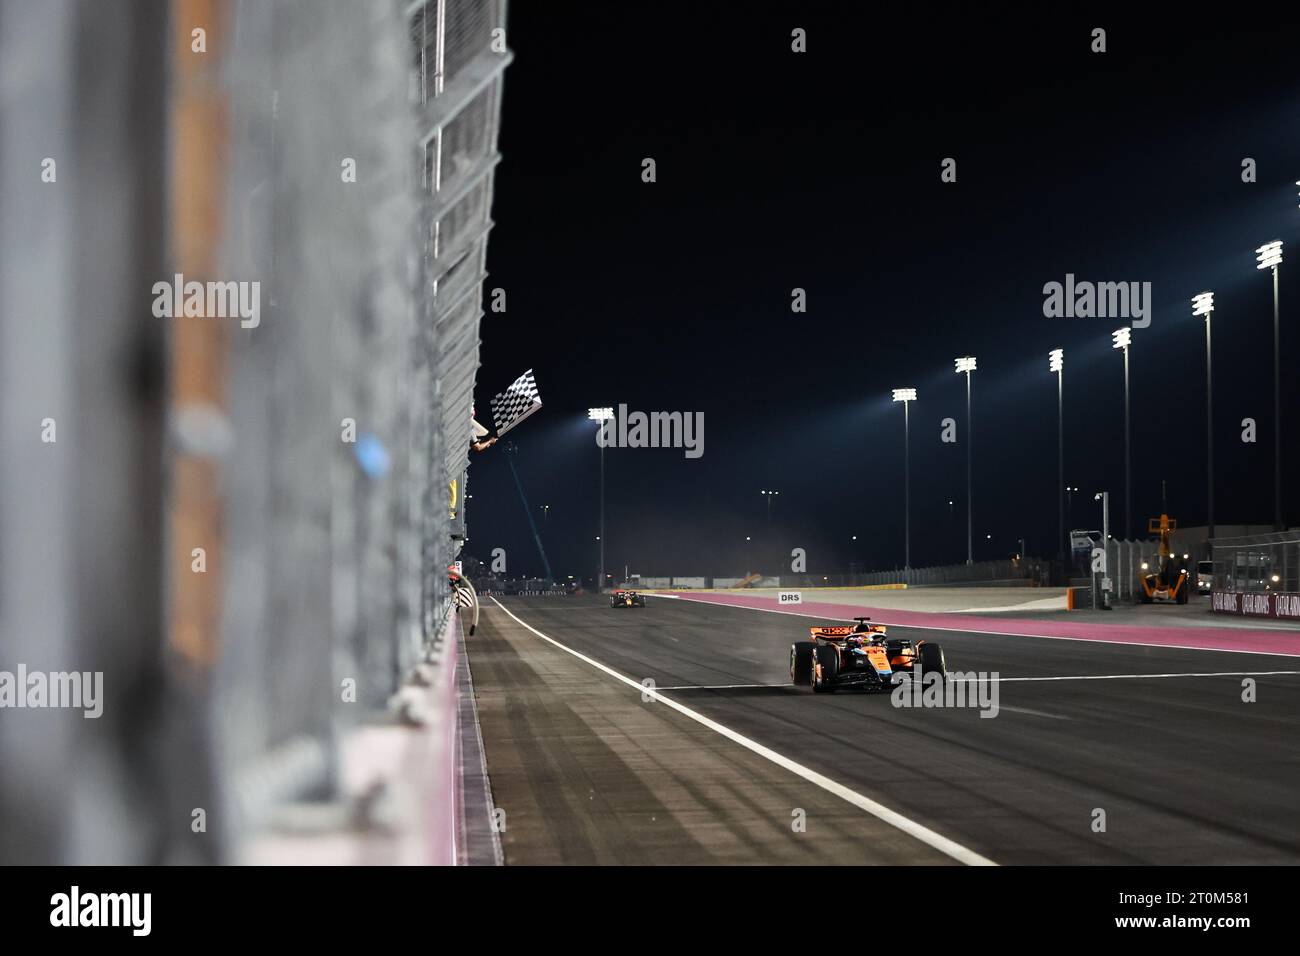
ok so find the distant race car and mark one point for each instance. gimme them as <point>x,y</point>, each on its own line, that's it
<point>859,655</point>
<point>626,599</point>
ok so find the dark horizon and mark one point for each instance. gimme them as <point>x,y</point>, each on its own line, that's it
<point>821,171</point>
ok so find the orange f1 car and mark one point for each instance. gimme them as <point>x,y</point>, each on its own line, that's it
<point>860,655</point>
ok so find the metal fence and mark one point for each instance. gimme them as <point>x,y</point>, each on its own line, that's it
<point>1128,561</point>
<point>1264,562</point>
<point>1123,561</point>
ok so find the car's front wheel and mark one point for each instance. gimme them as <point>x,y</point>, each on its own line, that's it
<point>801,655</point>
<point>930,656</point>
<point>825,669</point>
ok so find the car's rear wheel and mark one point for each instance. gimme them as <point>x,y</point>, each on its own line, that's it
<point>930,656</point>
<point>801,655</point>
<point>826,670</point>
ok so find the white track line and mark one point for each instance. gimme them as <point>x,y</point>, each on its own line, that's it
<point>966,630</point>
<point>719,686</point>
<point>960,679</point>
<point>913,829</point>
<point>1032,713</point>
<point>1004,680</point>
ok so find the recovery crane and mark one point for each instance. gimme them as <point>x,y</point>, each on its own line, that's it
<point>1169,581</point>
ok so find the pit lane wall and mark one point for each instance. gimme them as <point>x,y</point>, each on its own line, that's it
<point>240,521</point>
<point>388,754</point>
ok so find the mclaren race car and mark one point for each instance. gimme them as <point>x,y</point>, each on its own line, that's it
<point>626,599</point>
<point>860,655</point>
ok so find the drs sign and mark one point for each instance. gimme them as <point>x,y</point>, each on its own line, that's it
<point>789,597</point>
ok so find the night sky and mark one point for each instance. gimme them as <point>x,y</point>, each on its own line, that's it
<point>821,171</point>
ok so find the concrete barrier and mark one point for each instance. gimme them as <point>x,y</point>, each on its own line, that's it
<point>399,782</point>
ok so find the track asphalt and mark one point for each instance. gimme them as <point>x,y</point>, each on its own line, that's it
<point>726,758</point>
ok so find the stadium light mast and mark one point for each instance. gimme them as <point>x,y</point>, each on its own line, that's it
<point>600,416</point>
<point>769,495</point>
<point>1203,304</point>
<point>1106,583</point>
<point>906,395</point>
<point>1056,363</point>
<point>967,364</point>
<point>1121,338</point>
<point>1269,256</point>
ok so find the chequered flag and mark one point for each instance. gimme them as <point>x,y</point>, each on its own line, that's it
<point>516,403</point>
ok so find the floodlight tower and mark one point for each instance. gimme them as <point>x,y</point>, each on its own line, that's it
<point>1056,363</point>
<point>906,396</point>
<point>1121,338</point>
<point>1269,256</point>
<point>1203,304</point>
<point>600,416</point>
<point>967,364</point>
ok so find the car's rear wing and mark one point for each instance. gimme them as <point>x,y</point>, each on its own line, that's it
<point>831,632</point>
